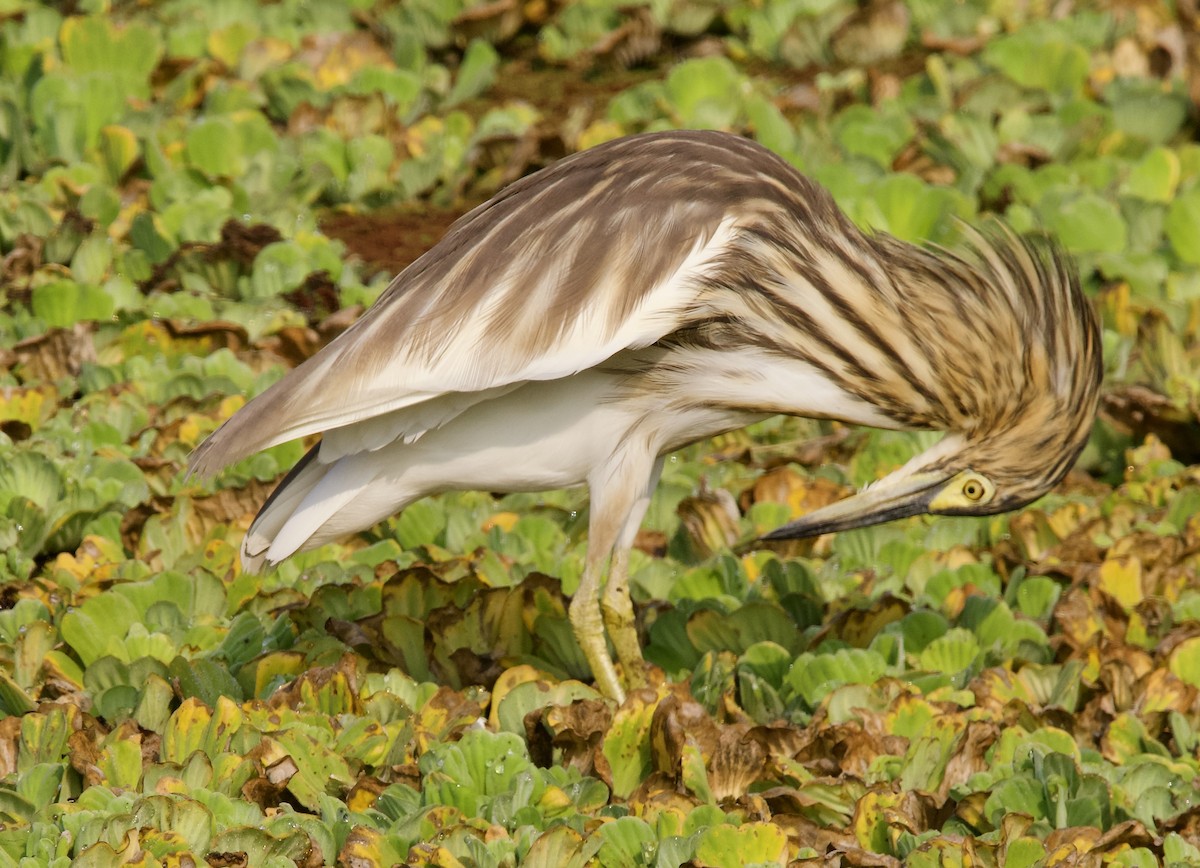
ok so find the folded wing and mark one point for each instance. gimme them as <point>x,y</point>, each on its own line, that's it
<point>601,252</point>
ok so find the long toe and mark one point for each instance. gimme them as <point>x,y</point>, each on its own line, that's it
<point>589,633</point>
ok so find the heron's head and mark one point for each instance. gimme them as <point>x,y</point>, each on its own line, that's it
<point>1013,376</point>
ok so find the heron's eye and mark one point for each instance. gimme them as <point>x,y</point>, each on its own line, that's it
<point>966,493</point>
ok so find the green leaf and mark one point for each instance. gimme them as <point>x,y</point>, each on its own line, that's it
<point>951,653</point>
<point>100,203</point>
<point>1177,851</point>
<point>1024,853</point>
<point>877,135</point>
<point>705,93</point>
<point>14,700</point>
<point>1185,661</point>
<point>755,622</point>
<point>35,642</point>
<point>213,146</point>
<point>1016,795</point>
<point>1155,177</point>
<point>813,676</point>
<point>771,128</point>
<point>188,821</point>
<point>768,660</point>
<point>482,774</point>
<point>31,524</point>
<point>99,627</point>
<point>149,234</point>
<point>228,43</point>
<point>44,738</point>
<point>370,158</point>
<point>627,746</point>
<point>1183,226</point>
<point>475,74</point>
<point>922,627</point>
<point>400,86</point>
<point>1061,65</point>
<point>626,841</point>
<point>40,783</point>
<point>204,679</point>
<point>118,148</point>
<point>1142,109</point>
<point>421,523</point>
<point>577,27</point>
<point>97,45</point>
<point>531,695</point>
<point>1087,224</point>
<point>63,303</point>
<point>1036,596</point>
<point>30,475</point>
<point>15,810</point>
<point>911,209</point>
<point>91,262</point>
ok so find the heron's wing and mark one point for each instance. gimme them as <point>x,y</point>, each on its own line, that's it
<point>599,253</point>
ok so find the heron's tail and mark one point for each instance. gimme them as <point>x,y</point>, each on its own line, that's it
<point>316,503</point>
<point>278,508</point>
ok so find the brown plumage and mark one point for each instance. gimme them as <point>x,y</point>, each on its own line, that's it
<point>658,290</point>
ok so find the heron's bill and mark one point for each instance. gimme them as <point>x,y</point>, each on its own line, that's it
<point>884,501</point>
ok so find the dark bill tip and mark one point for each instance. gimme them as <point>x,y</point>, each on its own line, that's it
<point>880,503</point>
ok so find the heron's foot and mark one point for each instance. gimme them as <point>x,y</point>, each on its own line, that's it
<point>589,633</point>
<point>617,609</point>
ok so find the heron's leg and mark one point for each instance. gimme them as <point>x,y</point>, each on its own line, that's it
<point>615,489</point>
<point>616,605</point>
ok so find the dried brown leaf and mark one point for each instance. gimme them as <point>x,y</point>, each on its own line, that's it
<point>51,356</point>
<point>969,757</point>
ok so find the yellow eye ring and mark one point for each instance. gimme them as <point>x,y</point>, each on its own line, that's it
<point>965,494</point>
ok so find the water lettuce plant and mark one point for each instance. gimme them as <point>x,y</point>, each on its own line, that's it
<point>1021,690</point>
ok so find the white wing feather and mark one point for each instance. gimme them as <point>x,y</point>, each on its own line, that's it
<point>409,390</point>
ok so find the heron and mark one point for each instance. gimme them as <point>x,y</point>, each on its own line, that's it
<point>651,292</point>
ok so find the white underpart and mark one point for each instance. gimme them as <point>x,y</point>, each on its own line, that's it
<point>546,435</point>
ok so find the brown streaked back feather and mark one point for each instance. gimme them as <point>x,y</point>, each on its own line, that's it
<point>554,274</point>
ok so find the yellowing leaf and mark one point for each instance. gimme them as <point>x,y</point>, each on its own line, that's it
<point>339,57</point>
<point>31,406</point>
<point>118,147</point>
<point>600,132</point>
<point>1163,690</point>
<point>503,520</point>
<point>230,405</point>
<point>1185,661</point>
<point>360,799</point>
<point>627,745</point>
<point>728,845</point>
<point>1121,579</point>
<point>418,136</point>
<point>189,432</point>
<point>228,43</point>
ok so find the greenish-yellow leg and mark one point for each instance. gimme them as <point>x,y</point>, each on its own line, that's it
<point>589,629</point>
<point>617,609</point>
<point>616,604</point>
<point>620,493</point>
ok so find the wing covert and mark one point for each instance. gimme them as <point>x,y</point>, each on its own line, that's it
<point>600,252</point>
